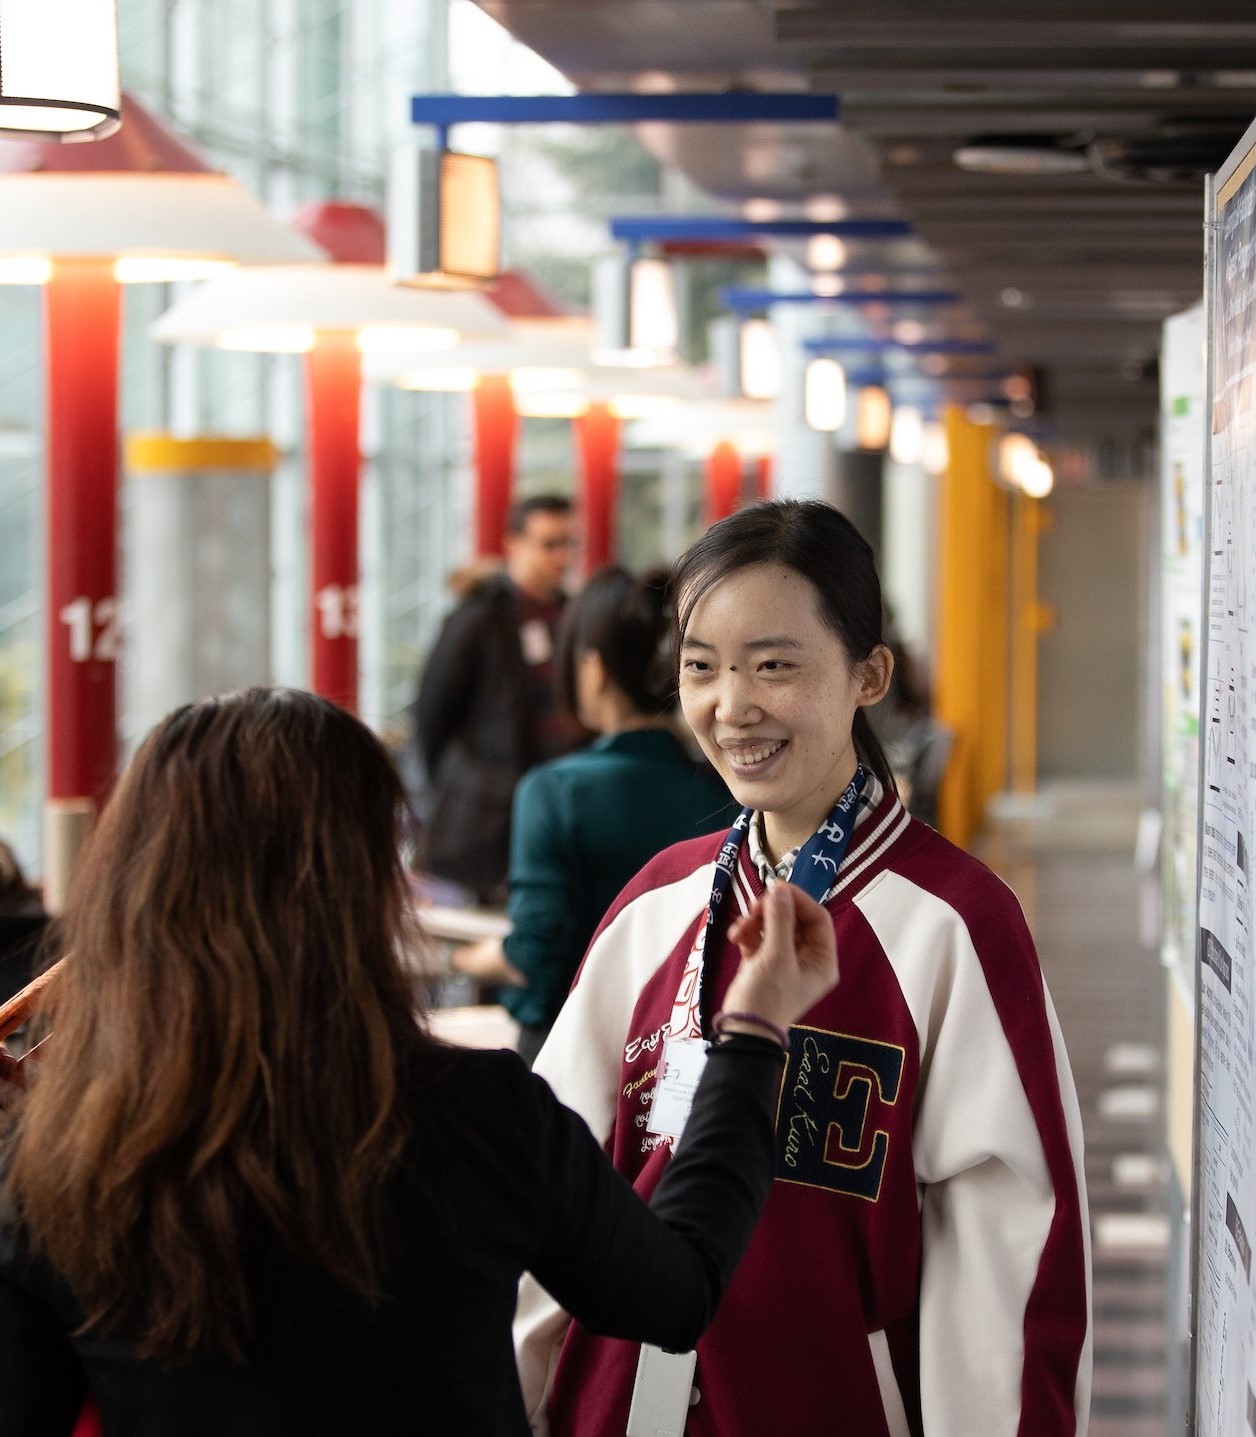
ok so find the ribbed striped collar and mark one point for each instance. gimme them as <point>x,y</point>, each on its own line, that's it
<point>755,839</point>
<point>881,822</point>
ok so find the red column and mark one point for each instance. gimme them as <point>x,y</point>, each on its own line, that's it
<point>723,482</point>
<point>81,313</point>
<point>88,1424</point>
<point>496,424</point>
<point>597,435</point>
<point>333,384</point>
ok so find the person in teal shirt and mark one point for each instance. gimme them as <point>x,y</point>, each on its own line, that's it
<point>584,824</point>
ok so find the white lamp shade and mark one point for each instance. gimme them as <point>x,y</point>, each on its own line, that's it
<point>824,395</point>
<point>59,76</point>
<point>197,216</point>
<point>872,418</point>
<point>760,360</point>
<point>256,308</point>
<point>634,309</point>
<point>653,323</point>
<point>444,219</point>
<point>553,371</point>
<point>906,434</point>
<point>530,343</point>
<point>825,252</point>
<point>1017,454</point>
<point>1037,478</point>
<point>696,428</point>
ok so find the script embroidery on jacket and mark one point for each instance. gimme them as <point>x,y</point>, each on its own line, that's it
<point>835,1090</point>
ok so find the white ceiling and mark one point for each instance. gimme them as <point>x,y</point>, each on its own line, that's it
<point>1153,94</point>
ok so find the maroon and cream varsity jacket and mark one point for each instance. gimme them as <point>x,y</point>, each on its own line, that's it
<point>922,1264</point>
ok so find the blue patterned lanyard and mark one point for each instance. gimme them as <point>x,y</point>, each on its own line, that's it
<point>814,869</point>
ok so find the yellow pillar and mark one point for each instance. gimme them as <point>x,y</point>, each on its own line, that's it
<point>1027,623</point>
<point>994,625</point>
<point>972,685</point>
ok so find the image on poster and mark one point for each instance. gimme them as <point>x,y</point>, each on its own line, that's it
<point>1183,434</point>
<point>1225,1200</point>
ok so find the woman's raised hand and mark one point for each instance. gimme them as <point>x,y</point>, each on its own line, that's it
<point>788,957</point>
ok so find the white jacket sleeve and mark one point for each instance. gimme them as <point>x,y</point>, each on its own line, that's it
<point>1005,1343</point>
<point>581,1060</point>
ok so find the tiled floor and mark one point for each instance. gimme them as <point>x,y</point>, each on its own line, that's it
<point>1073,869</point>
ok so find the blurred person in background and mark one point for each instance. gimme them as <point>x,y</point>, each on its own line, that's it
<point>22,924</point>
<point>247,1193</point>
<point>584,824</point>
<point>487,707</point>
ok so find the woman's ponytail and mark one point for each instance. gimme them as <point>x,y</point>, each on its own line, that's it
<point>869,750</point>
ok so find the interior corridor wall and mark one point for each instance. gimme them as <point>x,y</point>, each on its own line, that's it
<point>1092,576</point>
<point>908,559</point>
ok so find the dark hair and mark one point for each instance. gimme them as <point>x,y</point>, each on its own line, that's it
<point>818,542</point>
<point>520,512</point>
<point>624,620</point>
<point>233,1029</point>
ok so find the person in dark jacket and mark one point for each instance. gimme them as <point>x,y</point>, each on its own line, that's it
<point>487,708</point>
<point>247,1193</point>
<point>584,824</point>
<point>22,924</point>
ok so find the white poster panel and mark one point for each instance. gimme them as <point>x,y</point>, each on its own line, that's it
<point>1183,438</point>
<point>1224,1386</point>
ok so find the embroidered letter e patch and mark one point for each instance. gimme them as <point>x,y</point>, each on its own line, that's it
<point>827,1130</point>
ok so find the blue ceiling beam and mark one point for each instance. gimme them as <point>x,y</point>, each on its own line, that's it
<point>743,300</point>
<point>681,108</point>
<point>837,344</point>
<point>863,378</point>
<point>660,229</point>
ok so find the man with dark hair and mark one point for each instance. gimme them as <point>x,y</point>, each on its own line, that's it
<point>487,708</point>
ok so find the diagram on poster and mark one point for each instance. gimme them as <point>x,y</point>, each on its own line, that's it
<point>1225,1200</point>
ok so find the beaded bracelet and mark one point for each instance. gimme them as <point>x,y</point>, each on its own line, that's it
<point>781,1036</point>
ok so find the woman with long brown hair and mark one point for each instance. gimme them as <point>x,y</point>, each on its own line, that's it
<point>247,1193</point>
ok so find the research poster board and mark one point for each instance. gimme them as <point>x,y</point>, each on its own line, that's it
<point>1183,435</point>
<point>1223,1387</point>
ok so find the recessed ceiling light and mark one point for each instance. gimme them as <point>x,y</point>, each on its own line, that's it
<point>1033,157</point>
<point>655,82</point>
<point>825,253</point>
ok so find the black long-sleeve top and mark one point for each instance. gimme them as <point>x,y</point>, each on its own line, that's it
<point>502,1178</point>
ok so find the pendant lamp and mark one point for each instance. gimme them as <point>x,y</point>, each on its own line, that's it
<point>83,221</point>
<point>331,313</point>
<point>59,69</point>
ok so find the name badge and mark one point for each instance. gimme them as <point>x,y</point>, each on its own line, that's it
<point>683,1062</point>
<point>538,645</point>
<point>662,1394</point>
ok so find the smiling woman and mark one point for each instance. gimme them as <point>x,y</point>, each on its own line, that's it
<point>775,714</point>
<point>928,1180</point>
